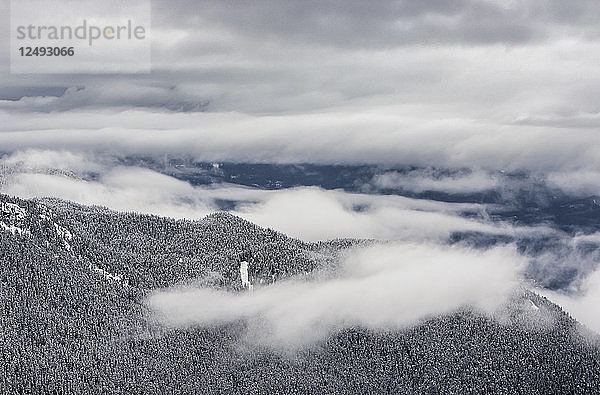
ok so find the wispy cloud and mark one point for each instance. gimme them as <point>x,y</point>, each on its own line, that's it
<point>378,288</point>
<point>309,213</point>
<point>430,180</point>
<point>583,305</point>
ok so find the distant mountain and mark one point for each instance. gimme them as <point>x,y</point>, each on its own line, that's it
<point>72,281</point>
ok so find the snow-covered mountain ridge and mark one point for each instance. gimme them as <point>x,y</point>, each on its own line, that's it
<point>71,325</point>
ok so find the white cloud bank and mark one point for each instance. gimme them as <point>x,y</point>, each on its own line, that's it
<point>315,214</point>
<point>132,189</point>
<point>379,288</point>
<point>584,306</point>
<point>389,136</point>
<point>585,182</point>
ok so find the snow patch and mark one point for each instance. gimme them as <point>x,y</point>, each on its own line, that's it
<point>533,305</point>
<point>13,217</point>
<point>12,210</point>
<point>64,234</point>
<point>109,276</point>
<point>15,229</point>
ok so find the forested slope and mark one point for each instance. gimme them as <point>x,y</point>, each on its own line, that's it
<point>72,281</point>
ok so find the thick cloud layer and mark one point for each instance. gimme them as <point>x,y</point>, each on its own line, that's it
<point>497,61</point>
<point>392,23</point>
<point>379,288</point>
<point>376,137</point>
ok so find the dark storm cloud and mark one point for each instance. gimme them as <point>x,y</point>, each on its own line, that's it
<point>14,93</point>
<point>356,23</point>
<point>109,94</point>
<point>297,56</point>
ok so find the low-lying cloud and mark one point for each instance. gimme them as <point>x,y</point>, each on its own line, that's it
<point>584,183</point>
<point>316,214</point>
<point>382,287</point>
<point>583,306</point>
<point>308,213</point>
<point>430,180</point>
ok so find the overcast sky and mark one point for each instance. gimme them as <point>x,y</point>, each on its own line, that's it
<point>511,62</point>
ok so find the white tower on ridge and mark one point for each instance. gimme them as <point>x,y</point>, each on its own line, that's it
<point>244,275</point>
